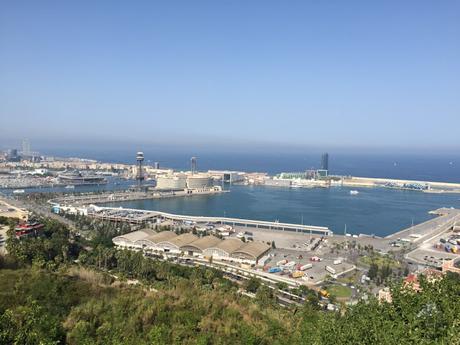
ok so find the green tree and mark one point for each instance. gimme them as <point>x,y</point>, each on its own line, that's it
<point>252,284</point>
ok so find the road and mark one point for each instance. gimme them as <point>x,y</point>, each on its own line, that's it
<point>40,210</point>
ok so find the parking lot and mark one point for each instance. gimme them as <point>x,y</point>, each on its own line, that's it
<point>427,254</point>
<point>316,273</point>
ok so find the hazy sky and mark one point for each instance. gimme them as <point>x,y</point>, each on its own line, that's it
<point>302,73</point>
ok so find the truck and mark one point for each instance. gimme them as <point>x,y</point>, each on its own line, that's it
<point>306,267</point>
<point>297,274</point>
<point>274,270</point>
<point>330,270</point>
<point>289,264</point>
<point>324,293</point>
<point>281,262</point>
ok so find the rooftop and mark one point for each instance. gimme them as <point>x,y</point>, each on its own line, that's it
<point>161,236</point>
<point>136,235</point>
<point>182,240</point>
<point>254,249</point>
<point>205,242</point>
<point>229,245</point>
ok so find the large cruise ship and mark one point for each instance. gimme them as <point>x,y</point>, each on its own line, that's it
<point>79,178</point>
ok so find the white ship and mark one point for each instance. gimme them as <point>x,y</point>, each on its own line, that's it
<point>19,191</point>
<point>70,186</point>
<point>354,192</point>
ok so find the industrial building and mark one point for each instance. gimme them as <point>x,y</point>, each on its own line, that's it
<point>174,244</point>
<point>224,249</point>
<point>227,176</point>
<point>131,240</point>
<point>251,251</point>
<point>172,182</point>
<point>151,242</point>
<point>232,249</point>
<point>199,246</point>
<point>199,181</point>
<point>182,181</point>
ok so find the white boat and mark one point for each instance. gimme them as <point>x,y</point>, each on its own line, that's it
<point>70,186</point>
<point>19,191</point>
<point>354,192</point>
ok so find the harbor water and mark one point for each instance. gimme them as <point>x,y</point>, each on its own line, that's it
<point>377,211</point>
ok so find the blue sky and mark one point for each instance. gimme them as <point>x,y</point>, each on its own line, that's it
<point>234,74</point>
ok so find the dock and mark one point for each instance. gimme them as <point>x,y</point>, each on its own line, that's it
<point>446,219</point>
<point>135,216</point>
<point>119,196</point>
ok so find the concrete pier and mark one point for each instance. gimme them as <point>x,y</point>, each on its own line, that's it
<point>142,216</point>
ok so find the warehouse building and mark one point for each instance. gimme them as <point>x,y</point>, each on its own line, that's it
<point>224,249</point>
<point>130,241</point>
<point>251,252</point>
<point>174,244</point>
<point>196,248</point>
<point>150,243</point>
<point>231,249</point>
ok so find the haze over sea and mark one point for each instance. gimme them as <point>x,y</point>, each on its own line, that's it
<point>423,166</point>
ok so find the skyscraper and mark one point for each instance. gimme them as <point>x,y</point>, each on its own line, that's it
<point>25,147</point>
<point>325,161</point>
<point>193,164</point>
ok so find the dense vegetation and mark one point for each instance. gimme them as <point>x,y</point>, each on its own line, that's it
<point>60,289</point>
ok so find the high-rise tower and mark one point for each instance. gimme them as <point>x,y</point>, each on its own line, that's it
<point>193,164</point>
<point>25,147</point>
<point>140,173</point>
<point>325,161</point>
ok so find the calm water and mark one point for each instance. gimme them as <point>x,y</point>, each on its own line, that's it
<point>373,211</point>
